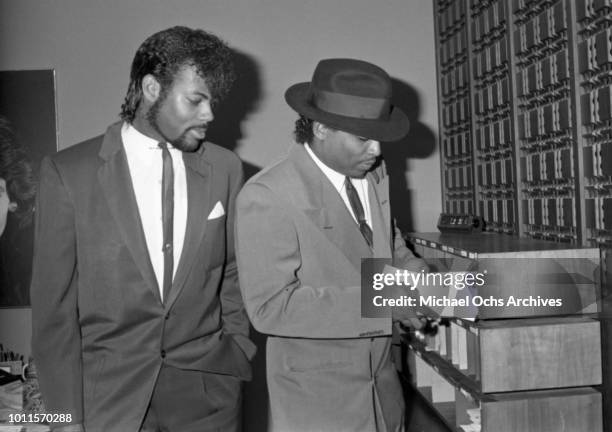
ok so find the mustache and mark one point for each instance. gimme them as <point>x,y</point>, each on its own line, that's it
<point>203,126</point>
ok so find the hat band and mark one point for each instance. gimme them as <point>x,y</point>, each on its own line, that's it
<point>351,105</point>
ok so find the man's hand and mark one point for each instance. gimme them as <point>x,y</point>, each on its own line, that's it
<point>416,265</point>
<point>417,317</point>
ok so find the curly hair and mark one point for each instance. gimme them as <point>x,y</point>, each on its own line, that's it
<point>303,130</point>
<point>17,172</point>
<point>165,52</point>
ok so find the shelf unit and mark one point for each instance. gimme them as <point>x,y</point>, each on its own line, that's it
<point>525,130</point>
<point>525,108</point>
<point>532,370</point>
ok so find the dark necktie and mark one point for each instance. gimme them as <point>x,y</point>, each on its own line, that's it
<point>357,207</point>
<point>167,217</point>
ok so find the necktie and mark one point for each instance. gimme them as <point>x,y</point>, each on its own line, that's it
<point>357,207</point>
<point>167,217</point>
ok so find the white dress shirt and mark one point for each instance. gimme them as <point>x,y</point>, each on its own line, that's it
<point>144,159</point>
<point>337,179</point>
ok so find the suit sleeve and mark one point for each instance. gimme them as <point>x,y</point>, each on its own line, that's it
<point>402,256</point>
<point>56,337</point>
<point>235,320</point>
<point>277,301</point>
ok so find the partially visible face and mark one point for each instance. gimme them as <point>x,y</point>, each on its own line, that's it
<point>182,113</point>
<point>346,153</point>
<point>5,205</point>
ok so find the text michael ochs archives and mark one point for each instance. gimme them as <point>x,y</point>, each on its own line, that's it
<point>452,293</point>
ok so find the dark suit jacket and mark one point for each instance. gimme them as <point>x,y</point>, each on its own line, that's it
<point>100,329</point>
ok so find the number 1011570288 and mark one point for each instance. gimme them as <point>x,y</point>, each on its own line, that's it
<point>40,418</point>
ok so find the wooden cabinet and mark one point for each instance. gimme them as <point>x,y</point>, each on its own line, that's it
<point>539,371</point>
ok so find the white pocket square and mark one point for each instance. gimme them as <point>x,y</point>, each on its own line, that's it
<point>217,211</point>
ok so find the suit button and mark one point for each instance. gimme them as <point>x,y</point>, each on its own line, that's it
<point>167,316</point>
<point>163,353</point>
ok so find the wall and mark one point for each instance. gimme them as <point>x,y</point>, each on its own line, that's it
<point>90,44</point>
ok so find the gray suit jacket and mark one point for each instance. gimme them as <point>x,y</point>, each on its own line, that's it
<point>299,252</point>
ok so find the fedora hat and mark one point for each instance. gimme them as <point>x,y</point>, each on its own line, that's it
<point>350,95</point>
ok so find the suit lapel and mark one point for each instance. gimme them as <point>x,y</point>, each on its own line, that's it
<point>198,174</point>
<point>328,210</point>
<point>116,183</point>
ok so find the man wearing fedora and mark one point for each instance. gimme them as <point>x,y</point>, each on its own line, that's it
<point>303,226</point>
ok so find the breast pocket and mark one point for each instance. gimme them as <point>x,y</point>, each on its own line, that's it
<point>215,241</point>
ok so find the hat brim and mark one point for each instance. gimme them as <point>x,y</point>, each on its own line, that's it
<point>392,129</point>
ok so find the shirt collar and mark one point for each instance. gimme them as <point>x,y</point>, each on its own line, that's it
<point>136,140</point>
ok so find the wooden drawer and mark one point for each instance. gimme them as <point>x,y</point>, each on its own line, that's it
<point>521,283</point>
<point>514,355</point>
<point>572,410</point>
<point>463,408</point>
